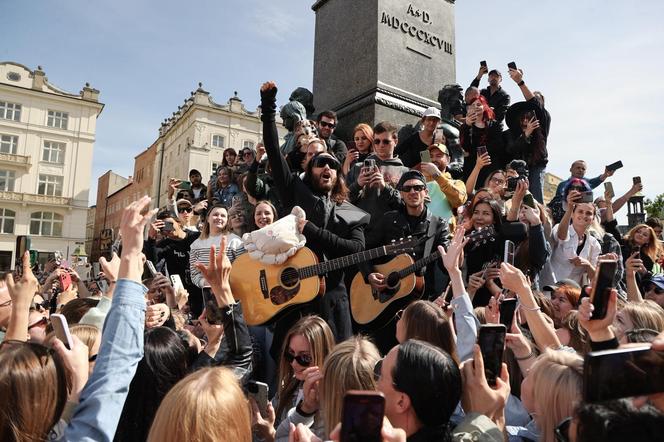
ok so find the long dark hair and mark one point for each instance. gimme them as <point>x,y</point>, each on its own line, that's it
<point>340,191</point>
<point>164,363</point>
<point>428,375</point>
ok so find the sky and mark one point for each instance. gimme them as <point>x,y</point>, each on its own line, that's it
<point>597,63</point>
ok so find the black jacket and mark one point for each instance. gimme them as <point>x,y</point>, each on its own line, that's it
<point>175,252</point>
<point>490,136</point>
<point>337,147</point>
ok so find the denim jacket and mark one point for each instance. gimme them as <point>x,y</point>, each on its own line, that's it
<point>98,412</point>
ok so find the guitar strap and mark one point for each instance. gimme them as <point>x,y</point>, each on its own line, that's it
<point>434,224</point>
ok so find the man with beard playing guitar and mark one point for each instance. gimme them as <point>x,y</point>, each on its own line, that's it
<point>411,219</point>
<point>333,227</point>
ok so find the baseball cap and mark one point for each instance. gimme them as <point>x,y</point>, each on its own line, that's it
<point>441,147</point>
<point>411,175</point>
<point>194,172</point>
<point>431,112</point>
<point>563,282</point>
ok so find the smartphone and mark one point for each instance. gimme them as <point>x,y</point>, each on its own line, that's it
<point>362,416</point>
<point>184,185</point>
<point>636,180</point>
<point>636,250</point>
<point>23,244</point>
<point>258,391</point>
<point>511,65</point>
<point>508,252</point>
<point>529,200</point>
<point>491,339</point>
<point>151,268</point>
<point>103,285</point>
<point>623,372</point>
<point>586,197</point>
<point>615,166</point>
<point>425,156</point>
<point>61,329</point>
<point>483,63</point>
<point>33,258</point>
<point>507,309</point>
<point>213,313</point>
<point>601,289</point>
<point>96,268</point>
<point>65,281</point>
<point>481,150</point>
<point>176,282</point>
<point>369,164</point>
<point>608,187</point>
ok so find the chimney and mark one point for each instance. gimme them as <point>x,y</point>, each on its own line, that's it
<point>89,93</point>
<point>38,79</point>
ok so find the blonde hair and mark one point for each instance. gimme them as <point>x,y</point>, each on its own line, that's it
<point>646,314</point>
<point>88,334</point>
<point>208,405</point>
<point>350,366</point>
<point>321,340</point>
<point>652,249</point>
<point>557,383</point>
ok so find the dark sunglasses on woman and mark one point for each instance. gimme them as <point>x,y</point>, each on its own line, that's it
<point>303,360</point>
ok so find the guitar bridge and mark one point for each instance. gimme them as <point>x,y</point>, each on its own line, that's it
<point>263,283</point>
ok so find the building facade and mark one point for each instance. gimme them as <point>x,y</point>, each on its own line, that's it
<point>47,137</point>
<point>196,136</point>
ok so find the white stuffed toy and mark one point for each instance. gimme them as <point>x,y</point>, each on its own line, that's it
<point>275,243</point>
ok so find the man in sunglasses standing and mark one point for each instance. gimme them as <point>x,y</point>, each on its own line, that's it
<point>369,188</point>
<point>413,218</point>
<point>327,122</point>
<point>333,227</point>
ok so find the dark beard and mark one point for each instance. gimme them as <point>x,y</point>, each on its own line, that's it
<point>322,188</point>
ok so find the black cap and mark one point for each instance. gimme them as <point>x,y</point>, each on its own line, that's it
<point>194,172</point>
<point>411,175</point>
<point>562,282</point>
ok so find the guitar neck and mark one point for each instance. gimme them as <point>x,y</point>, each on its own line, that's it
<point>343,262</point>
<point>417,265</point>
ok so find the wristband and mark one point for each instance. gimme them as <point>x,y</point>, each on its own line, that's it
<point>533,309</point>
<point>521,83</point>
<point>299,410</point>
<point>530,355</point>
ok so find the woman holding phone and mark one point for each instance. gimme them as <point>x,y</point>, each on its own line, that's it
<point>641,241</point>
<point>363,138</point>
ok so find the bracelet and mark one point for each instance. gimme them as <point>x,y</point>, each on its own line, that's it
<point>298,408</point>
<point>521,83</point>
<point>534,309</point>
<point>530,355</point>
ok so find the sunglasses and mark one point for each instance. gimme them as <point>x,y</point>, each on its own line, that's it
<point>303,360</point>
<point>326,124</point>
<point>246,153</point>
<point>562,430</point>
<point>385,141</point>
<point>416,188</point>
<point>185,209</point>
<point>323,161</point>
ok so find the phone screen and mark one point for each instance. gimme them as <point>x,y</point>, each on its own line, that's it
<point>509,252</point>
<point>362,419</point>
<point>213,313</point>
<point>609,188</point>
<point>491,340</point>
<point>185,185</point>
<point>601,290</point>
<point>529,200</point>
<point>623,372</point>
<point>507,309</point>
<point>481,150</point>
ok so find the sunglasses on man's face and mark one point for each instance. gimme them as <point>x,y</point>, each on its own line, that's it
<point>326,124</point>
<point>323,161</point>
<point>384,141</point>
<point>303,360</point>
<point>185,209</point>
<point>416,188</point>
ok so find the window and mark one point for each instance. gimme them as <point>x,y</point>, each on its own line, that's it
<point>50,185</point>
<point>8,143</point>
<point>218,141</point>
<point>45,223</point>
<point>7,218</point>
<point>53,152</point>
<point>7,178</point>
<point>248,145</point>
<point>57,119</point>
<point>10,111</point>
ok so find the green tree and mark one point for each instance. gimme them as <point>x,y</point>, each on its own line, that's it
<point>655,208</point>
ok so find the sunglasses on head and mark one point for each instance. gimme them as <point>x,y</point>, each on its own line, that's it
<point>378,369</point>
<point>185,209</point>
<point>562,430</point>
<point>326,124</point>
<point>324,160</point>
<point>303,360</point>
<point>384,141</point>
<point>415,187</point>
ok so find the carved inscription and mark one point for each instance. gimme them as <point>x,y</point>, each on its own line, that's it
<point>416,31</point>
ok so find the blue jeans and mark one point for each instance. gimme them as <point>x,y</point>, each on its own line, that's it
<point>536,179</point>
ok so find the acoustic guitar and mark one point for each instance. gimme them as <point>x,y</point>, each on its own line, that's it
<point>266,290</point>
<point>367,303</point>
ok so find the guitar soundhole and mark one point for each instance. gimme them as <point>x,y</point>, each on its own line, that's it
<point>289,277</point>
<point>393,280</point>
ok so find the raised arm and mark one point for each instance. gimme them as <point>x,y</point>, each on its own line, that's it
<point>21,293</point>
<point>482,161</point>
<point>517,76</point>
<point>620,202</point>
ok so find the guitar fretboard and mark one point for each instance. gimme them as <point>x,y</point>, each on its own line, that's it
<point>347,261</point>
<point>417,265</point>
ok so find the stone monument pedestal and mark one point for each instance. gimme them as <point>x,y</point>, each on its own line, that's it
<point>378,60</point>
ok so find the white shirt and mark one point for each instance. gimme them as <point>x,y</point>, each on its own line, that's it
<point>565,250</point>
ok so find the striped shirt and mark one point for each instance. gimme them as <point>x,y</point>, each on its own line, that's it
<point>199,251</point>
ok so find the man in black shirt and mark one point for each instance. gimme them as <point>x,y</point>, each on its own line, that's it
<point>327,122</point>
<point>495,95</point>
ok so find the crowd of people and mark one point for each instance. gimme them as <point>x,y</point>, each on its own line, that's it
<point>161,350</point>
